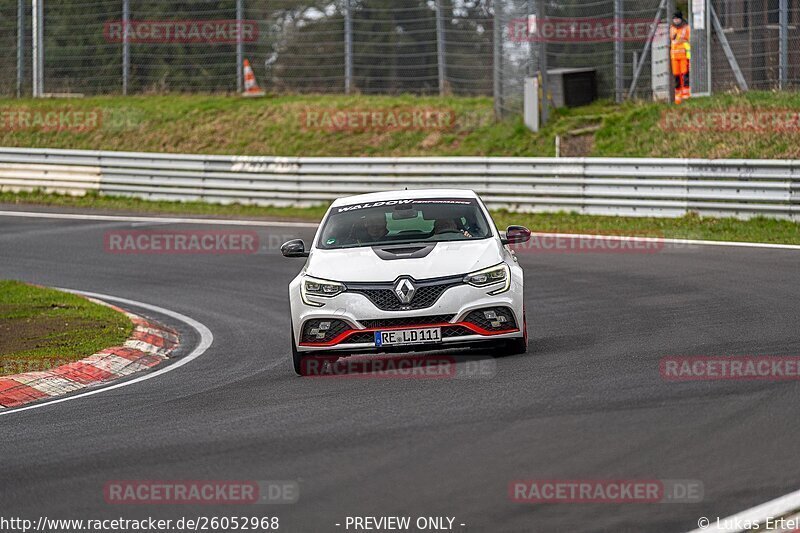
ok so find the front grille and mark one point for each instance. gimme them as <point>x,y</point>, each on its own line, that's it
<point>384,297</point>
<point>456,331</point>
<point>366,336</point>
<point>500,318</point>
<point>407,321</point>
<point>323,330</point>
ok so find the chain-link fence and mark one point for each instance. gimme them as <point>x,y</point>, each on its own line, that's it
<point>139,46</point>
<point>603,39</point>
<point>616,48</point>
<point>763,44</point>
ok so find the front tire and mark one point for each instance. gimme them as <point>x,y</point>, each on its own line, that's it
<point>517,346</point>
<point>309,365</point>
<point>299,361</point>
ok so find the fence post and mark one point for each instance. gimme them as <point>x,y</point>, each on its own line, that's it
<point>126,45</point>
<point>646,50</point>
<point>20,45</point>
<point>698,74</point>
<point>38,47</point>
<point>497,62</point>
<point>726,47</point>
<point>239,47</point>
<point>708,46</point>
<point>541,15</point>
<point>440,44</point>
<point>783,56</point>
<point>529,12</point>
<point>348,47</point>
<point>619,53</point>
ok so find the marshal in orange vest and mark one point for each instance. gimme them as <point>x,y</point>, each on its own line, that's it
<point>680,53</point>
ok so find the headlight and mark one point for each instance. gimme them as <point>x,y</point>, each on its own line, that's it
<point>491,276</point>
<point>319,287</point>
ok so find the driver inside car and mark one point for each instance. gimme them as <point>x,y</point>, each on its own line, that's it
<point>371,228</point>
<point>449,225</point>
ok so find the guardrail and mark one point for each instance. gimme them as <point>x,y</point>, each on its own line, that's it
<point>606,186</point>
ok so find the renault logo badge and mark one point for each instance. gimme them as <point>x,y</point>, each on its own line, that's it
<point>405,290</point>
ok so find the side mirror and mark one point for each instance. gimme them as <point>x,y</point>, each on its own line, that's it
<point>294,248</point>
<point>516,235</point>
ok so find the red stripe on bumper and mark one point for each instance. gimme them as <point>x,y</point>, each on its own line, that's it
<point>339,339</point>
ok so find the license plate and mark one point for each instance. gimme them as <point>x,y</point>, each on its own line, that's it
<point>408,336</point>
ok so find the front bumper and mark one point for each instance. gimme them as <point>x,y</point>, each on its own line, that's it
<point>357,318</point>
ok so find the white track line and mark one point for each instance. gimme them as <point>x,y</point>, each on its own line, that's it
<point>278,223</point>
<point>666,241</point>
<point>164,220</point>
<point>206,338</point>
<point>756,515</point>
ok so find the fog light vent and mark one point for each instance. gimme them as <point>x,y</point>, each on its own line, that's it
<point>492,318</point>
<point>321,331</point>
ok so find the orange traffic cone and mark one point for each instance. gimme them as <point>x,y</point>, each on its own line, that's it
<point>250,86</point>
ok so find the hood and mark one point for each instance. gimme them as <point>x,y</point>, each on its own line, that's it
<point>445,259</point>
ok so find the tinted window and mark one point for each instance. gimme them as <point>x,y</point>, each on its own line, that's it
<point>404,221</point>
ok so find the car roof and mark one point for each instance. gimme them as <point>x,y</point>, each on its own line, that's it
<point>404,194</point>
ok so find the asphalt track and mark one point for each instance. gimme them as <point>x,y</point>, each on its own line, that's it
<point>587,402</point>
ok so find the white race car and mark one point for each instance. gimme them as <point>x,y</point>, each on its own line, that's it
<point>407,271</point>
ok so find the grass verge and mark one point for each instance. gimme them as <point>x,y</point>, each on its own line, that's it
<point>279,125</point>
<point>763,230</point>
<point>41,328</point>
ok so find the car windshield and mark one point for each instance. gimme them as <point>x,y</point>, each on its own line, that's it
<point>404,221</point>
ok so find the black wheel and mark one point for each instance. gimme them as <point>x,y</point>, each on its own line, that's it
<point>309,364</point>
<point>516,346</point>
<point>300,361</point>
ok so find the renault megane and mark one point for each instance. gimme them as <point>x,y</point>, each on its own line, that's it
<point>406,271</point>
